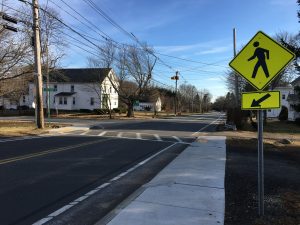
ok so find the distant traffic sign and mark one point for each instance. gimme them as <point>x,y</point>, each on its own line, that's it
<point>48,89</point>
<point>261,100</point>
<point>261,60</point>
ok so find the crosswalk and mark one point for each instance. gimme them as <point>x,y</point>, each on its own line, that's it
<point>2,140</point>
<point>132,135</point>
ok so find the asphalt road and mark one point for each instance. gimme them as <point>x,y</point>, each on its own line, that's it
<point>41,175</point>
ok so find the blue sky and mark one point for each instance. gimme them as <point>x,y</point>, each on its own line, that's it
<point>198,30</point>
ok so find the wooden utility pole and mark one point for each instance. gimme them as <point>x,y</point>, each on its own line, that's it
<point>236,84</point>
<point>176,78</point>
<point>38,68</point>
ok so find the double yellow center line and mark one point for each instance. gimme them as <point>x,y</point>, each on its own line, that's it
<point>33,155</point>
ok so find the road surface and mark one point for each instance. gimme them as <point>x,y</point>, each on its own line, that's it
<point>40,175</point>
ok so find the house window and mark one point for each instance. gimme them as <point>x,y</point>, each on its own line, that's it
<point>60,100</point>
<point>73,100</point>
<point>55,87</point>
<point>109,89</point>
<point>92,101</point>
<point>115,103</point>
<point>72,88</point>
<point>24,99</point>
<point>54,100</point>
<point>65,101</point>
<point>283,96</point>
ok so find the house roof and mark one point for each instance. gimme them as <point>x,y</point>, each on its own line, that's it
<point>83,75</point>
<point>65,94</point>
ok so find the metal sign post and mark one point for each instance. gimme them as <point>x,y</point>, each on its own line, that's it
<point>260,164</point>
<point>259,62</point>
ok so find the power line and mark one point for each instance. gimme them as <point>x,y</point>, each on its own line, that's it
<point>106,36</point>
<point>189,60</point>
<point>129,34</point>
<point>87,37</point>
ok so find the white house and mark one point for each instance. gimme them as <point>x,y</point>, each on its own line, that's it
<point>293,100</point>
<point>288,99</point>
<point>75,89</point>
<point>148,106</point>
<point>284,92</point>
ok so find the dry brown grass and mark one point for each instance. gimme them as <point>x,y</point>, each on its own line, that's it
<point>15,128</point>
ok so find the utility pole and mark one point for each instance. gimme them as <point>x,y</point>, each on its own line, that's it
<point>38,67</point>
<point>235,75</point>
<point>176,78</point>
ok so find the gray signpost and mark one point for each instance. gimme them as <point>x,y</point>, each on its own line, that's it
<point>259,62</point>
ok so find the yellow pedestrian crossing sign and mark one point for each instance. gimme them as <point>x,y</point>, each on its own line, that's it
<point>261,60</point>
<point>261,100</point>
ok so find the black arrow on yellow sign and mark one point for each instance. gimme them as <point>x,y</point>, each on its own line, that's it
<point>257,103</point>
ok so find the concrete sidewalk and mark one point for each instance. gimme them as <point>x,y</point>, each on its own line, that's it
<point>190,190</point>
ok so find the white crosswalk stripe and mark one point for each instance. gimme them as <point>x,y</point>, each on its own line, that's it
<point>157,137</point>
<point>102,133</point>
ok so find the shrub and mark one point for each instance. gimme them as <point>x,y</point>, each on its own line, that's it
<point>297,121</point>
<point>236,116</point>
<point>85,110</point>
<point>148,108</point>
<point>284,114</point>
<point>120,110</point>
<point>23,107</point>
<point>116,110</point>
<point>101,111</point>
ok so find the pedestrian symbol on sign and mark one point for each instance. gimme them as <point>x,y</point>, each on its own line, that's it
<point>261,60</point>
<point>260,54</point>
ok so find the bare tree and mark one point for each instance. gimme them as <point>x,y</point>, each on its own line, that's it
<point>14,88</point>
<point>133,68</point>
<point>52,41</point>
<point>187,96</point>
<point>13,55</point>
<point>105,56</point>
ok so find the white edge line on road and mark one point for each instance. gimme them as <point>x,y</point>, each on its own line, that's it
<point>213,122</point>
<point>92,192</point>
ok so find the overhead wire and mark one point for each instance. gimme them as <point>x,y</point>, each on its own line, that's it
<point>81,35</point>
<point>129,34</point>
<point>88,37</point>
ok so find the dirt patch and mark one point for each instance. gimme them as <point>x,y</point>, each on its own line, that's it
<point>282,183</point>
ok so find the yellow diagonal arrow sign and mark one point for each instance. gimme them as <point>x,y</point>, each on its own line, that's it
<point>261,100</point>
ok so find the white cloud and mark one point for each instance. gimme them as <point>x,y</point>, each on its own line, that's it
<point>214,50</point>
<point>203,48</point>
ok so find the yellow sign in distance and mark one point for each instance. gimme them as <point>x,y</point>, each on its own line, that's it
<point>261,60</point>
<point>261,100</point>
